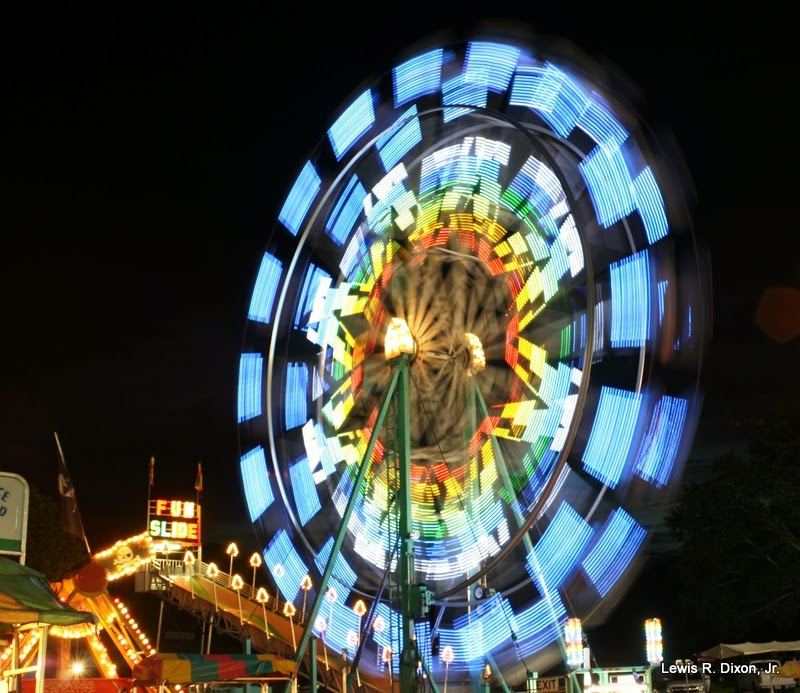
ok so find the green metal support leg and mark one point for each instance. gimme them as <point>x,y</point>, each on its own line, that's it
<point>337,544</point>
<point>409,656</point>
<point>312,665</point>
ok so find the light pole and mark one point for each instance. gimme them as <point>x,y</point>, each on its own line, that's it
<point>447,656</point>
<point>290,610</point>
<point>360,609</point>
<point>331,596</point>
<point>320,624</point>
<point>262,598</point>
<point>255,563</point>
<point>188,561</point>
<point>237,583</point>
<point>379,625</point>
<point>233,552</point>
<point>387,659</point>
<point>279,572</point>
<point>305,586</point>
<point>212,573</point>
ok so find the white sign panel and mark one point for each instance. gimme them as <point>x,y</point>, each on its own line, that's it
<point>14,498</point>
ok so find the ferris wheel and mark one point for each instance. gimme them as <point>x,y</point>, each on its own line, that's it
<point>469,377</point>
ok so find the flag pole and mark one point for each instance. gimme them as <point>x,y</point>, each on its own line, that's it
<point>198,482</point>
<point>151,481</point>
<point>198,487</point>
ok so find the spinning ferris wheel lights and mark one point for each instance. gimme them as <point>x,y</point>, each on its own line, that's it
<point>486,230</point>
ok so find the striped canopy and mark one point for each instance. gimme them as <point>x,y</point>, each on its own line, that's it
<point>191,668</point>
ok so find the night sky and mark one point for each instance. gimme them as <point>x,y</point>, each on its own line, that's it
<point>146,153</point>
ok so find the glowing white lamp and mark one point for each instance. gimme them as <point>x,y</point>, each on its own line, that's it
<point>233,552</point>
<point>399,339</point>
<point>478,360</point>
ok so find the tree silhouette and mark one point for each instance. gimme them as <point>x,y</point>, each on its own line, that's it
<point>49,548</point>
<point>739,563</point>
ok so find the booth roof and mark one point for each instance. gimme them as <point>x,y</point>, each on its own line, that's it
<point>26,597</point>
<point>727,650</point>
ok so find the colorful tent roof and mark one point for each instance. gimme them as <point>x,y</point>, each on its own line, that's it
<point>192,668</point>
<point>26,597</point>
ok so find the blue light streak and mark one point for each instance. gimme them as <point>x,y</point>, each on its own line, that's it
<point>601,125</point>
<point>344,575</point>
<point>399,140</point>
<point>662,300</point>
<point>269,274</point>
<point>662,440</point>
<point>346,211</point>
<point>296,395</point>
<point>251,368</point>
<point>257,489</point>
<point>357,118</point>
<point>609,183</point>
<point>307,295</point>
<point>539,625</point>
<point>630,301</point>
<point>416,77</point>
<point>490,64</point>
<point>650,203</point>
<point>300,198</point>
<point>458,92</point>
<point>304,489</point>
<point>612,434</point>
<point>552,93</point>
<point>559,548</point>
<point>281,552</point>
<point>616,547</point>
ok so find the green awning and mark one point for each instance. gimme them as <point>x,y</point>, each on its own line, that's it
<point>26,597</point>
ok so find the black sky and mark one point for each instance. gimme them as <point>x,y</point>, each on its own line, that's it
<point>147,151</point>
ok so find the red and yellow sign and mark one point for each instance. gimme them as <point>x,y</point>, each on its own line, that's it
<point>174,521</point>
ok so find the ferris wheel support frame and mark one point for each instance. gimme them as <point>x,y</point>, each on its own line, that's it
<point>410,594</point>
<point>399,391</point>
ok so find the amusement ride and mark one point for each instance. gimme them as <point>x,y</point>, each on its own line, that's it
<point>469,379</point>
<point>468,382</point>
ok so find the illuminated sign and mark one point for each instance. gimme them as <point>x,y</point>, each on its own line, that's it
<point>125,557</point>
<point>14,498</point>
<point>551,684</point>
<point>176,520</point>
